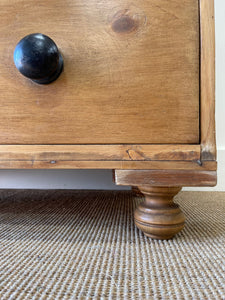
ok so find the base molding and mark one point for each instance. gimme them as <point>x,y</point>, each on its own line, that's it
<point>166,178</point>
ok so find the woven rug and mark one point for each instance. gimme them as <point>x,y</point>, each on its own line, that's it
<point>84,245</point>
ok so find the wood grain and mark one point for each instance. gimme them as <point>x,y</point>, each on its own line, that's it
<point>119,165</point>
<point>208,143</point>
<point>166,178</point>
<point>100,152</point>
<point>158,216</point>
<point>131,73</point>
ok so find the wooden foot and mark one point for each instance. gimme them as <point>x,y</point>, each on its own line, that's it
<point>136,191</point>
<point>158,216</point>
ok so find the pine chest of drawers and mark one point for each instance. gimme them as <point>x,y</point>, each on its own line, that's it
<point>129,87</point>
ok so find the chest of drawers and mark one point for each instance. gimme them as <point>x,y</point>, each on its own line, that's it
<point>135,94</point>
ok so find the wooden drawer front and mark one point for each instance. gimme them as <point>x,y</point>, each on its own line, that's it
<point>131,72</point>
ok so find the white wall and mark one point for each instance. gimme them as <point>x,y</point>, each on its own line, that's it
<point>220,72</point>
<point>102,179</point>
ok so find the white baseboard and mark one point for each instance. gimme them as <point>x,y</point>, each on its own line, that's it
<point>220,175</point>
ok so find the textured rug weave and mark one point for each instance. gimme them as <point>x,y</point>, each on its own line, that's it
<point>84,245</point>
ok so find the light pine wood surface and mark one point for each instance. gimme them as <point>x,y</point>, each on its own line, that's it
<point>101,152</point>
<point>208,136</point>
<point>104,164</point>
<point>131,73</point>
<point>165,178</point>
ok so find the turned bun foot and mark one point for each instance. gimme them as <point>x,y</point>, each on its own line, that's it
<point>158,216</point>
<point>136,191</point>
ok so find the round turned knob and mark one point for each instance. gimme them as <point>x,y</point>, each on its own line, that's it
<point>37,57</point>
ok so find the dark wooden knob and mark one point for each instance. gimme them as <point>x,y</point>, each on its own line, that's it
<point>37,57</point>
